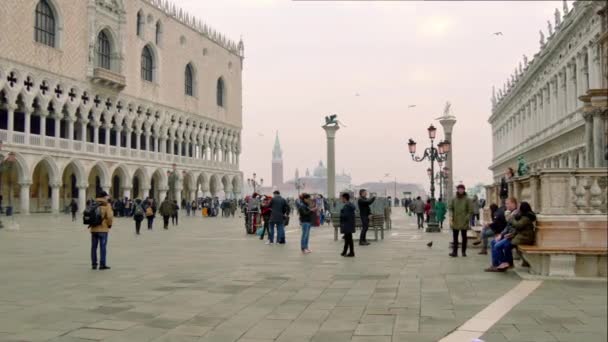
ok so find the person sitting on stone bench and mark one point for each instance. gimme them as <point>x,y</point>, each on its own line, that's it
<point>519,231</point>
<point>499,222</point>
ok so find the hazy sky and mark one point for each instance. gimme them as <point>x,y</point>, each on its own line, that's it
<point>308,59</point>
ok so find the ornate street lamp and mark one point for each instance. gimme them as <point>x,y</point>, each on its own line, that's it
<point>433,154</point>
<point>254,183</point>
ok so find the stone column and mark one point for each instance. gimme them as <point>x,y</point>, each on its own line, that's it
<point>162,193</point>
<point>55,198</point>
<point>192,195</point>
<point>24,197</point>
<point>42,127</point>
<point>589,147</point>
<point>83,132</point>
<point>448,122</point>
<point>108,128</point>
<point>594,66</point>
<point>599,135</point>
<point>126,192</point>
<point>156,146</point>
<point>57,125</point>
<point>138,139</point>
<point>147,134</point>
<point>330,131</point>
<point>70,129</point>
<point>96,126</point>
<point>562,95</point>
<point>28,116</point>
<point>570,88</point>
<point>11,117</point>
<point>128,132</point>
<point>82,197</point>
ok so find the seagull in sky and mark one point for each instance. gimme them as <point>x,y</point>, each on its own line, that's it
<point>497,33</point>
<point>411,106</point>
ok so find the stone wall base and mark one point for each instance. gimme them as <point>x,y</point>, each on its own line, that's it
<point>567,265</point>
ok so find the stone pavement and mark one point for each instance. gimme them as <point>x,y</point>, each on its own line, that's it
<point>208,281</point>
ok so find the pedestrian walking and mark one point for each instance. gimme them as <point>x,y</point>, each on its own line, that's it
<point>306,212</point>
<point>188,208</point>
<point>418,208</point>
<point>175,213</point>
<point>427,210</point>
<point>102,215</point>
<point>364,211</point>
<point>347,225</point>
<point>279,210</point>
<point>460,219</point>
<point>73,209</point>
<point>266,210</point>
<point>138,214</point>
<point>475,216</point>
<point>440,211</point>
<point>150,208</point>
<point>166,210</point>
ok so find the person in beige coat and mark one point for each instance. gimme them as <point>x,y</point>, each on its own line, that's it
<point>99,232</point>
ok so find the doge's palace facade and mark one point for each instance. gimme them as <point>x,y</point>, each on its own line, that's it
<point>116,95</point>
<point>552,111</point>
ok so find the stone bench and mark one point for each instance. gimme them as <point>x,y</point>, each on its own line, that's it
<point>375,225</point>
<point>565,261</point>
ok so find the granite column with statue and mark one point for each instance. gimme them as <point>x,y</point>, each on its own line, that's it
<point>448,121</point>
<point>331,127</point>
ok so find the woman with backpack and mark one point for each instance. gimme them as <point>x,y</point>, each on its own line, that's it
<point>138,215</point>
<point>150,209</point>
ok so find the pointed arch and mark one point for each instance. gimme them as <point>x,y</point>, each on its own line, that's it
<point>190,80</point>
<point>220,92</point>
<point>47,23</point>
<point>148,64</point>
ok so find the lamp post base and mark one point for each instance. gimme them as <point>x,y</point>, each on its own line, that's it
<point>433,227</point>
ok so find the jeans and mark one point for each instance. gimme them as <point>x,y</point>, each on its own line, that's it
<point>364,227</point>
<point>348,243</point>
<point>420,217</point>
<point>280,232</point>
<point>166,222</point>
<point>486,233</point>
<point>150,222</point>
<point>474,219</point>
<point>174,219</point>
<point>501,252</point>
<point>100,239</point>
<point>265,229</point>
<point>305,235</point>
<point>137,226</point>
<point>322,218</point>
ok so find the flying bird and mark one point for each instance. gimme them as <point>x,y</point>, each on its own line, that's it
<point>497,33</point>
<point>411,106</point>
<point>430,244</point>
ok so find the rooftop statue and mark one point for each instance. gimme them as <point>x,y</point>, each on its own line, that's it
<point>447,108</point>
<point>549,27</point>
<point>525,61</point>
<point>558,18</point>
<point>565,7</point>
<point>331,120</point>
<point>542,38</point>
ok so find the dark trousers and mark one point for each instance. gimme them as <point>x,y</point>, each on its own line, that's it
<point>150,222</point>
<point>265,229</point>
<point>364,227</point>
<point>420,217</point>
<point>348,243</point>
<point>137,226</point>
<point>100,239</point>
<point>174,219</point>
<point>166,222</point>
<point>463,234</point>
<point>73,216</point>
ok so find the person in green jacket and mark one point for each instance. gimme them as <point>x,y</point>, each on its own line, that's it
<point>440,211</point>
<point>166,210</point>
<point>461,210</point>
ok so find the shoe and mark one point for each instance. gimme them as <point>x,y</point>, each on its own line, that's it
<point>464,254</point>
<point>307,251</point>
<point>364,243</point>
<point>269,242</point>
<point>476,243</point>
<point>343,254</point>
<point>350,255</point>
<point>483,253</point>
<point>494,269</point>
<point>104,267</point>
<point>94,267</point>
<point>282,243</point>
<point>453,254</point>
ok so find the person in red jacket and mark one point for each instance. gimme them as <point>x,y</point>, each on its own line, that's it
<point>427,209</point>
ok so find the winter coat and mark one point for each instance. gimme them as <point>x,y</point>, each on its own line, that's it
<point>440,210</point>
<point>167,208</point>
<point>279,208</point>
<point>499,221</point>
<point>347,218</point>
<point>364,204</point>
<point>460,212</point>
<point>306,213</point>
<point>525,233</point>
<point>475,203</point>
<point>418,206</point>
<point>107,215</point>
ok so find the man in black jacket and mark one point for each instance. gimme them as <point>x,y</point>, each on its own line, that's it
<point>499,222</point>
<point>347,225</point>
<point>364,211</point>
<point>279,210</point>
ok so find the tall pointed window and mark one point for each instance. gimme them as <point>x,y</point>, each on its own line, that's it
<point>140,23</point>
<point>189,80</point>
<point>220,94</point>
<point>147,64</point>
<point>44,30</point>
<point>104,51</point>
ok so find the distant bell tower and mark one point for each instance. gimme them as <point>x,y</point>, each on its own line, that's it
<point>277,163</point>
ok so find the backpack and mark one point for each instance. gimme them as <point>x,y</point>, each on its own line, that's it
<point>149,211</point>
<point>92,215</point>
<point>139,211</point>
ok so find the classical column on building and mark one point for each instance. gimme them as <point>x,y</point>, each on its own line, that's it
<point>118,133</point>
<point>55,197</point>
<point>147,134</point>
<point>24,197</point>
<point>144,191</point>
<point>330,132</point>
<point>448,121</point>
<point>11,107</point>
<point>128,132</point>
<point>570,87</point>
<point>162,194</point>
<point>562,94</point>
<point>82,197</point>
<point>138,132</point>
<point>28,115</point>
<point>43,114</point>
